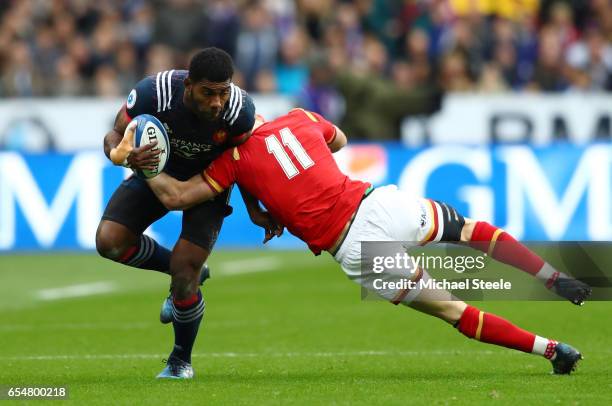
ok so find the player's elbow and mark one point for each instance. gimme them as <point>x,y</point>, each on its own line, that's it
<point>339,141</point>
<point>172,201</point>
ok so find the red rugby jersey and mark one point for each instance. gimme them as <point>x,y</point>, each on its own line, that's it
<point>287,165</point>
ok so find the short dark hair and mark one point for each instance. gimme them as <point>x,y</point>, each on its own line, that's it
<point>212,64</point>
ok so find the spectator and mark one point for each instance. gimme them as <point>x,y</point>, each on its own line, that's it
<point>417,55</point>
<point>222,25</point>
<point>292,71</point>
<point>265,82</point>
<point>20,78</point>
<point>106,83</point>
<point>140,29</point>
<point>319,94</point>
<point>160,58</point>
<point>375,106</point>
<point>491,80</point>
<point>454,75</point>
<point>68,82</point>
<point>127,69</point>
<point>463,44</point>
<point>257,44</point>
<point>590,62</point>
<point>180,24</point>
<point>549,73</point>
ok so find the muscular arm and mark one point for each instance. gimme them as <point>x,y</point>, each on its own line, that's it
<point>261,217</point>
<point>251,202</point>
<point>114,136</point>
<point>177,195</point>
<point>338,142</point>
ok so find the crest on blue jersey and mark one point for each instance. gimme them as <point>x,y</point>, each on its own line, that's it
<point>131,100</point>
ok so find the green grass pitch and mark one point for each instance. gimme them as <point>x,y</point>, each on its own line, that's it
<point>294,331</point>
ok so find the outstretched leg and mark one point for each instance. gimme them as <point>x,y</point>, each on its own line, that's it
<point>397,216</point>
<point>450,226</point>
<point>501,246</point>
<point>492,329</point>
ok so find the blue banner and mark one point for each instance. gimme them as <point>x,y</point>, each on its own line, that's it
<point>562,192</point>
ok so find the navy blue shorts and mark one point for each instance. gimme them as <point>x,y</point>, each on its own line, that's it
<point>135,206</point>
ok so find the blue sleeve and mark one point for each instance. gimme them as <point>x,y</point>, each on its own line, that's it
<point>240,114</point>
<point>142,98</point>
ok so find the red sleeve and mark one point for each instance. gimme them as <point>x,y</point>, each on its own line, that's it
<point>221,173</point>
<point>127,115</point>
<point>328,129</point>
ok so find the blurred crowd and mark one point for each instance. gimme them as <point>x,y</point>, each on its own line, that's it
<point>296,48</point>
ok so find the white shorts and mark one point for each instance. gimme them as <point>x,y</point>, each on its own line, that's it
<point>389,214</point>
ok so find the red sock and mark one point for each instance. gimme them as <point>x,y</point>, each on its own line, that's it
<point>485,238</point>
<point>189,302</point>
<point>492,329</point>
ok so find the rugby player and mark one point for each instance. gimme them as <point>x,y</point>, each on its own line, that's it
<point>299,182</point>
<point>204,113</point>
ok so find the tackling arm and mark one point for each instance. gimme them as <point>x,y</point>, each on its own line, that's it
<point>177,195</point>
<point>261,217</point>
<point>338,141</point>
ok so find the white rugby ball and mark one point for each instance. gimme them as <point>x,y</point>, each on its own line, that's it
<point>148,130</point>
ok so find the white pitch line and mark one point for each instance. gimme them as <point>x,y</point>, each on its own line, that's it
<point>254,355</point>
<point>120,325</point>
<point>78,326</point>
<point>251,265</point>
<point>84,289</point>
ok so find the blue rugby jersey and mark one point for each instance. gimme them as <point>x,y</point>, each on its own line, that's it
<point>194,143</point>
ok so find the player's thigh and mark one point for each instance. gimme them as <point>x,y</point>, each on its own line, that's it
<point>418,220</point>
<point>386,215</point>
<point>390,214</point>
<point>384,222</point>
<point>387,222</point>
<point>134,206</point>
<point>202,223</point>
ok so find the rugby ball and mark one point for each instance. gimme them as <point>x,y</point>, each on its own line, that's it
<point>148,130</point>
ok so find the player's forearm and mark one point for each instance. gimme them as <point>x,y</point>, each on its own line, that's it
<point>117,147</point>
<point>167,190</point>
<point>111,140</point>
<point>177,195</point>
<point>251,203</point>
<point>339,141</point>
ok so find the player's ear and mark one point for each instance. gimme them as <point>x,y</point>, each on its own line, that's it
<point>187,82</point>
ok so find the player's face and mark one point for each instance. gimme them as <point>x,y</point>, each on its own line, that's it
<point>208,98</point>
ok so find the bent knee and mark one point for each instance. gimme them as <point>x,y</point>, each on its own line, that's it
<point>450,220</point>
<point>468,229</point>
<point>112,242</point>
<point>452,311</point>
<point>447,310</point>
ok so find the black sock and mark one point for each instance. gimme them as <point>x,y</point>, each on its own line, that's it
<point>148,254</point>
<point>187,318</point>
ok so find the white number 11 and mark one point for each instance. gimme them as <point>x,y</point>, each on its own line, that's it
<point>289,140</point>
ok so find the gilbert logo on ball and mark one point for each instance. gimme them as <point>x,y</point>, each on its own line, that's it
<point>148,130</point>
